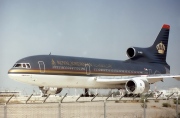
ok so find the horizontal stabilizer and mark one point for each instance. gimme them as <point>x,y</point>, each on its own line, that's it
<point>177,78</point>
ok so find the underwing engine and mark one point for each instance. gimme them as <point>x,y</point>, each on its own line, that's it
<point>50,90</point>
<point>137,86</point>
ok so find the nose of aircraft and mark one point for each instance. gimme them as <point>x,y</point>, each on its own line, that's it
<point>11,74</point>
<point>11,71</point>
<point>17,72</point>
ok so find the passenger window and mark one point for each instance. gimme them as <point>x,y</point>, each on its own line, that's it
<point>28,65</point>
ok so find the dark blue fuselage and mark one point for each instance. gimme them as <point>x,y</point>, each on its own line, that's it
<point>66,65</point>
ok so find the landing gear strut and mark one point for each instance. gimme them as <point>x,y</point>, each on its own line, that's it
<point>86,93</point>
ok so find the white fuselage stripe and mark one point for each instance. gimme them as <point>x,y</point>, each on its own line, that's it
<point>62,81</point>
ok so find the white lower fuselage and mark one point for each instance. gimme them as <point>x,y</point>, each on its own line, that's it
<point>62,81</point>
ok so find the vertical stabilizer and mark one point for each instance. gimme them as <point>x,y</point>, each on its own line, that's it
<point>159,48</point>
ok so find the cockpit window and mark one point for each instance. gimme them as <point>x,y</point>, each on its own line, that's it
<point>22,65</point>
<point>17,65</point>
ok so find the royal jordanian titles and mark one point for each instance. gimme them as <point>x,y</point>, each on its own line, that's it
<point>51,73</point>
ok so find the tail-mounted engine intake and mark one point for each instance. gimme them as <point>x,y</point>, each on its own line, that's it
<point>50,90</point>
<point>137,86</point>
<point>133,52</point>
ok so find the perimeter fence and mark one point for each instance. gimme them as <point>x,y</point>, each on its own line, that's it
<point>91,107</point>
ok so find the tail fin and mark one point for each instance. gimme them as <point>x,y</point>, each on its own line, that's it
<point>155,53</point>
<point>159,48</point>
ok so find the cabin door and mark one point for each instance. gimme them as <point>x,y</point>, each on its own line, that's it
<point>41,66</point>
<point>88,69</point>
<point>150,71</point>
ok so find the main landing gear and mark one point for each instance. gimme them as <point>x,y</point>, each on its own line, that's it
<point>86,93</point>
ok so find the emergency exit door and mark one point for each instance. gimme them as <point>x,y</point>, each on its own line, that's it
<point>41,66</point>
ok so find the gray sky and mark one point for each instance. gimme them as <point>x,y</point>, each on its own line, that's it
<point>84,28</point>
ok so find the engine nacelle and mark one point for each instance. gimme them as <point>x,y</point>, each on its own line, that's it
<point>133,52</point>
<point>137,86</point>
<point>50,90</point>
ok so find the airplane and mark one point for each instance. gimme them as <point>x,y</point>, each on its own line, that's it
<point>52,73</point>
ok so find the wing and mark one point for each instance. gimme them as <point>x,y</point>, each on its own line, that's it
<point>134,84</point>
<point>124,79</point>
<point>113,79</point>
<point>156,78</point>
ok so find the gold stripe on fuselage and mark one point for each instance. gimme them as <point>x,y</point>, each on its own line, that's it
<point>61,72</point>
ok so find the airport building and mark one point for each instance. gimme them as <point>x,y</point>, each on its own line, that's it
<point>165,93</point>
<point>10,93</point>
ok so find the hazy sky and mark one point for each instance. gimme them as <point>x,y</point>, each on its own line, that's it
<point>84,28</point>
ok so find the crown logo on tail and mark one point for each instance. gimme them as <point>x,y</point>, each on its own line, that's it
<point>160,48</point>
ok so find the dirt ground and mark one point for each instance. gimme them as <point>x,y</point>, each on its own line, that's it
<point>96,109</point>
